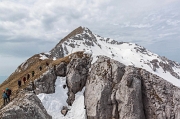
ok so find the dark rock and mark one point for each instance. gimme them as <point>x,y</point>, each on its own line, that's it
<point>166,67</point>
<point>64,86</point>
<point>71,98</point>
<point>129,81</point>
<point>66,50</point>
<point>60,70</point>
<point>64,110</point>
<point>72,45</point>
<point>30,87</point>
<point>57,52</point>
<point>46,83</point>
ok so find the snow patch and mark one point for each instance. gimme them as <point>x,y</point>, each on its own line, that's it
<point>54,58</point>
<point>53,103</point>
<point>88,52</point>
<point>43,57</point>
<point>47,53</point>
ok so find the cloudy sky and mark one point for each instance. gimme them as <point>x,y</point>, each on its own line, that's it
<point>28,27</point>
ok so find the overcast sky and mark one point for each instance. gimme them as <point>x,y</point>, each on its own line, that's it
<point>28,27</point>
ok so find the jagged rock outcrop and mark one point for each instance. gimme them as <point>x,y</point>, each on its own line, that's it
<point>154,63</point>
<point>57,52</point>
<point>46,83</point>
<point>60,70</point>
<point>168,67</point>
<point>30,87</point>
<point>76,75</point>
<point>103,78</point>
<point>114,91</point>
<point>26,106</point>
<point>129,95</point>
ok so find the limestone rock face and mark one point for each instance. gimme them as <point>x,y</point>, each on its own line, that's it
<point>129,95</point>
<point>25,106</point>
<point>76,75</point>
<point>46,83</point>
<point>115,91</point>
<point>103,78</point>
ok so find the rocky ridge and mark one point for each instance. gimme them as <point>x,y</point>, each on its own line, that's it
<point>26,104</point>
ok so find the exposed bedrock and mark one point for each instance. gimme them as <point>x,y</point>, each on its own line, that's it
<point>46,82</point>
<point>116,91</point>
<point>100,89</point>
<point>76,75</point>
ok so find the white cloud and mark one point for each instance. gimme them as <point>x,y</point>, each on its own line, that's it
<point>165,35</point>
<point>173,22</point>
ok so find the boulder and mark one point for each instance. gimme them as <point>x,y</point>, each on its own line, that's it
<point>46,83</point>
<point>25,106</point>
<point>64,110</point>
<point>60,69</point>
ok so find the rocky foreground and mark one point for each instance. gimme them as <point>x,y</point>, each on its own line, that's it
<point>112,91</point>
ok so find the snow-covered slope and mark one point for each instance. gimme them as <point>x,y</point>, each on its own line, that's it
<point>124,52</point>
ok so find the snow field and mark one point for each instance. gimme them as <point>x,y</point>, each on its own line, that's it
<point>53,103</point>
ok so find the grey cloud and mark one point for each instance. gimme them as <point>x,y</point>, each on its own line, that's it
<point>59,14</point>
<point>3,30</point>
<point>168,48</point>
<point>34,26</point>
<point>13,15</point>
<point>25,48</point>
<point>12,12</point>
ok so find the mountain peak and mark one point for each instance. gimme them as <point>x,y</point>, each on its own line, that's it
<point>76,31</point>
<point>82,39</point>
<point>73,33</point>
